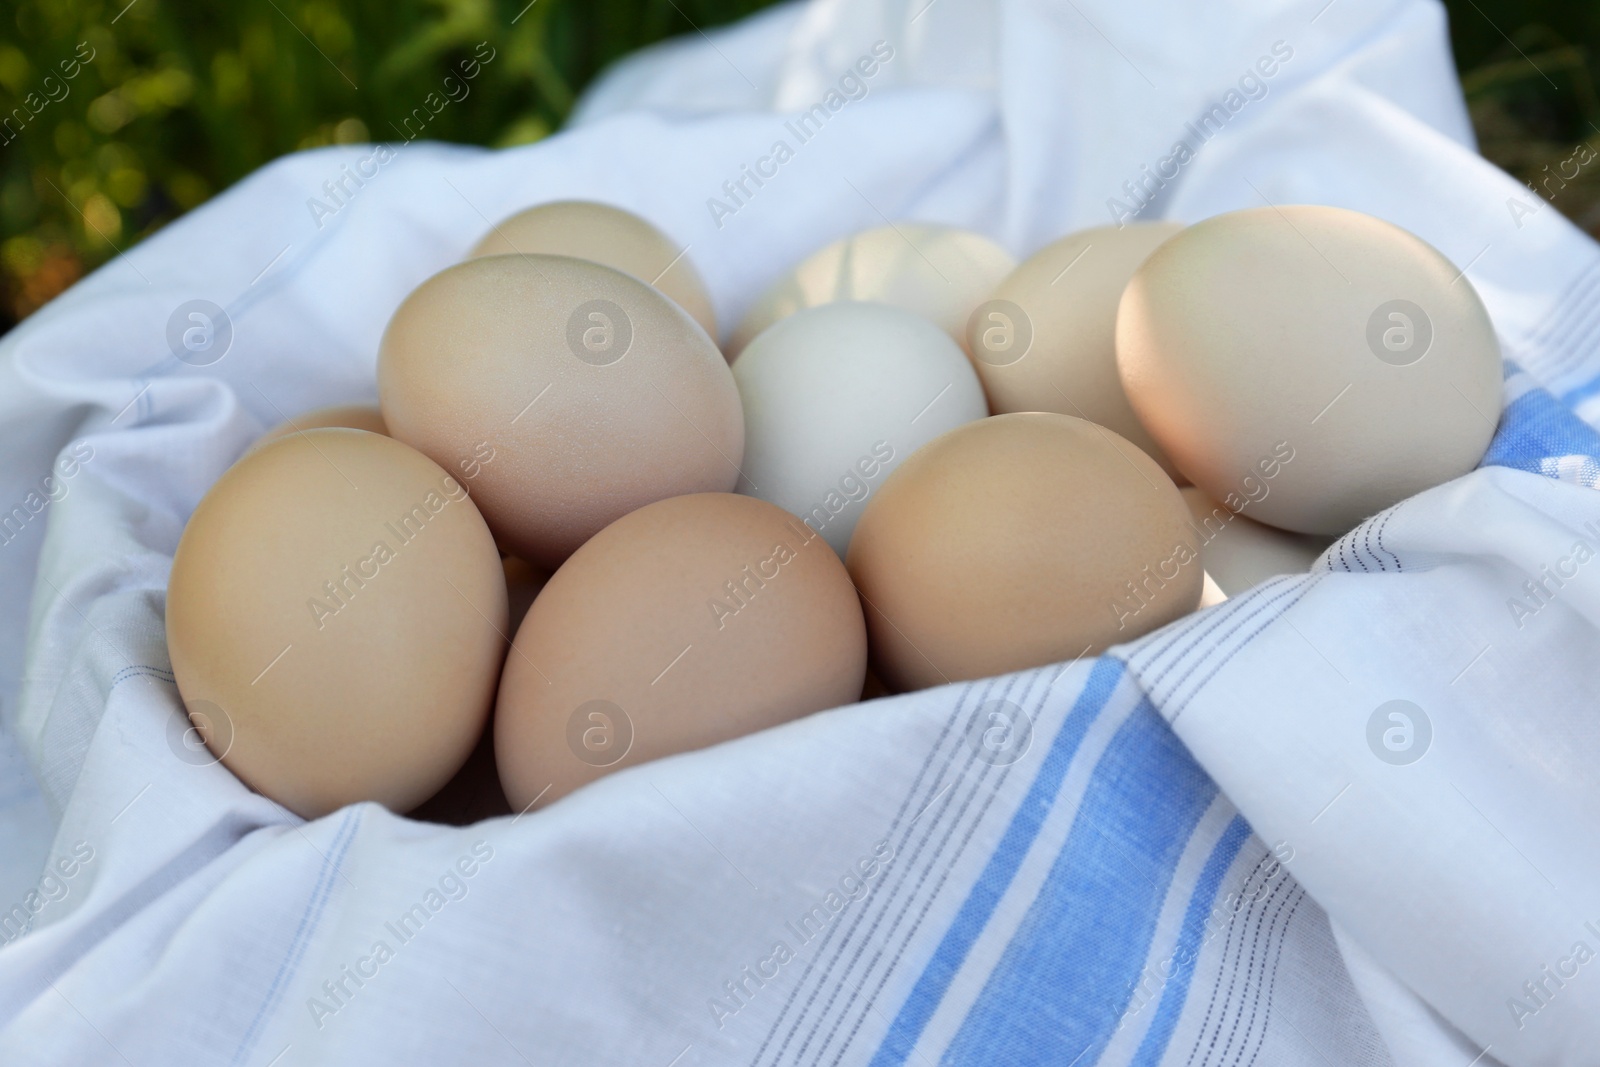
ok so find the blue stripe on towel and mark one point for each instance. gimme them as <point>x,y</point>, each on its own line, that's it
<point>1536,430</point>
<point>1061,986</point>
<point>975,911</point>
<point>1186,953</point>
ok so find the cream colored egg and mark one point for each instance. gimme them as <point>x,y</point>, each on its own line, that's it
<point>602,233</point>
<point>1016,541</point>
<point>686,623</point>
<point>566,394</point>
<point>335,619</point>
<point>350,416</point>
<point>1240,553</point>
<point>1329,356</point>
<point>1045,340</point>
<point>938,272</point>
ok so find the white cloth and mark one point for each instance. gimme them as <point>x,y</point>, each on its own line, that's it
<point>1097,897</point>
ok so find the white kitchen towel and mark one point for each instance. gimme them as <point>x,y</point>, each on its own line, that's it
<point>1128,860</point>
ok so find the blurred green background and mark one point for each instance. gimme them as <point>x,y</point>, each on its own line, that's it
<point>181,98</point>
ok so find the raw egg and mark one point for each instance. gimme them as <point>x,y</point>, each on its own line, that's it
<point>1045,340</point>
<point>336,618</point>
<point>610,236</point>
<point>567,392</point>
<point>1330,356</point>
<point>686,623</point>
<point>835,397</point>
<point>1240,553</point>
<point>938,272</point>
<point>1016,541</point>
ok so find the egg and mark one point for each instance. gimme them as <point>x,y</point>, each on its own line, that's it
<point>602,233</point>
<point>1045,340</point>
<point>1240,553</point>
<point>835,397</point>
<point>349,416</point>
<point>571,393</point>
<point>1016,541</point>
<point>474,794</point>
<point>1330,357</point>
<point>938,272</point>
<point>336,619</point>
<point>689,622</point>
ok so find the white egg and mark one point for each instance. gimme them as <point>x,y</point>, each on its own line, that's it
<point>939,272</point>
<point>835,397</point>
<point>1239,553</point>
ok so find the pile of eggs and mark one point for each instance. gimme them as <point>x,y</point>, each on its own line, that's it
<point>575,535</point>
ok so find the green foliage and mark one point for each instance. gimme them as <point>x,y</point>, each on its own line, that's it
<point>177,99</point>
<point>115,119</point>
<point>1529,69</point>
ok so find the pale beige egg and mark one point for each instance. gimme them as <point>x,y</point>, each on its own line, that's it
<point>335,619</point>
<point>938,272</point>
<point>605,234</point>
<point>1045,339</point>
<point>689,622</point>
<point>1016,541</point>
<point>563,393</point>
<point>1240,553</point>
<point>1325,360</point>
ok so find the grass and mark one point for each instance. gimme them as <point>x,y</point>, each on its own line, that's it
<point>117,118</point>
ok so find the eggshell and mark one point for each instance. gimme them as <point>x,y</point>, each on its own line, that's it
<point>1017,541</point>
<point>938,272</point>
<point>349,416</point>
<point>1045,340</point>
<point>686,623</point>
<point>474,794</point>
<point>335,618</point>
<point>602,233</point>
<point>570,392</point>
<point>1240,553</point>
<point>1315,333</point>
<point>837,396</point>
